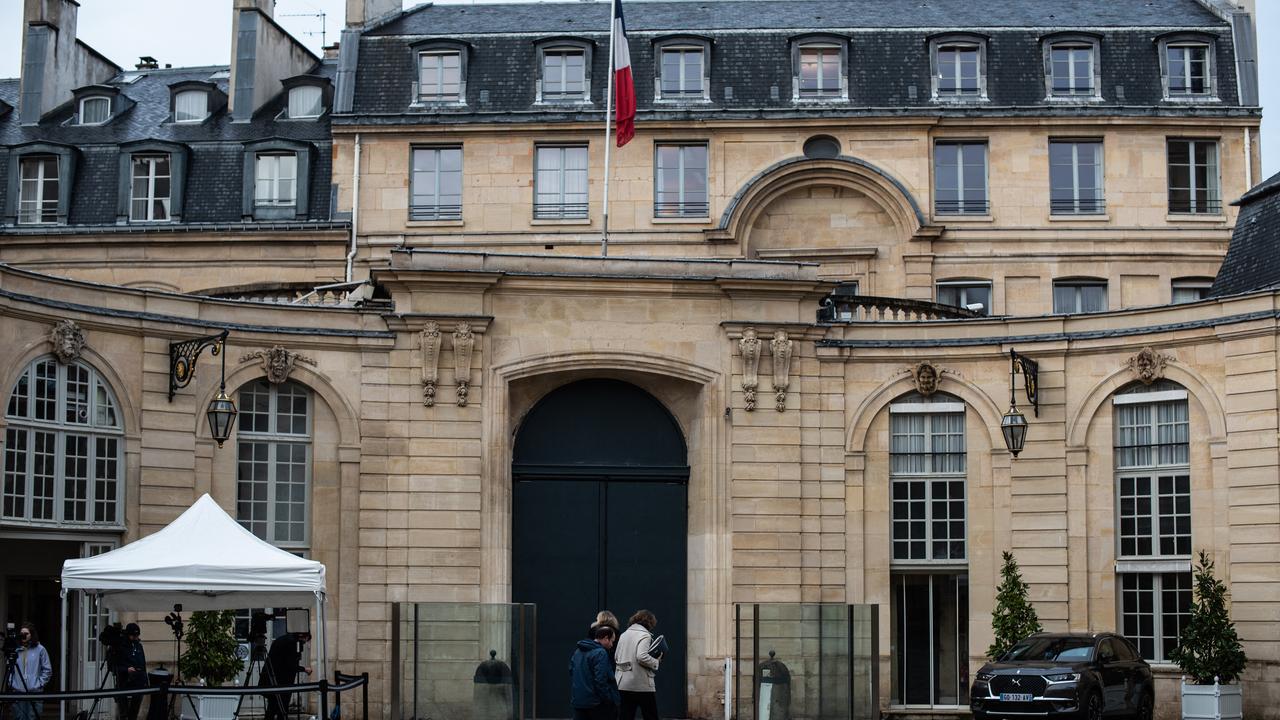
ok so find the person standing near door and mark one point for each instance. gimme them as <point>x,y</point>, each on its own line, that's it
<point>131,670</point>
<point>281,668</point>
<point>29,672</point>
<point>592,690</point>
<point>636,667</point>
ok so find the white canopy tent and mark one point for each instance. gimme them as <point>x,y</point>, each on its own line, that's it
<point>205,560</point>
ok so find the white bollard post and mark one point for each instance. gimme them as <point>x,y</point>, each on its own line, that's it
<point>728,688</point>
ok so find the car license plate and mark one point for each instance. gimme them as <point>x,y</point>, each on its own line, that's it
<point>1016,697</point>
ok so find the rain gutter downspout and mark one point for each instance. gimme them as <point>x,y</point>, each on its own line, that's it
<point>355,207</point>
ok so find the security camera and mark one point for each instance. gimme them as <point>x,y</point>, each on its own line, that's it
<point>976,307</point>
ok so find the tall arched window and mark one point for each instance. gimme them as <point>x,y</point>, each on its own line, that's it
<point>63,448</point>
<point>929,557</point>
<point>1153,515</point>
<point>273,459</point>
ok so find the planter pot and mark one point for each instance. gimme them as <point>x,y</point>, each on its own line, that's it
<point>209,707</point>
<point>1211,702</point>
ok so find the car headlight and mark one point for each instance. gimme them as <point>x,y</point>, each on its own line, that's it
<point>1063,677</point>
<point>984,676</point>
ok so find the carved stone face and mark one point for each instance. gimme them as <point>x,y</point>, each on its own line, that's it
<point>68,341</point>
<point>279,364</point>
<point>926,376</point>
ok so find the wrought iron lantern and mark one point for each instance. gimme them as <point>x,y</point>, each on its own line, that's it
<point>1014,426</point>
<point>182,368</point>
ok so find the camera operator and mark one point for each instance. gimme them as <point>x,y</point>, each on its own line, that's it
<point>129,663</point>
<point>280,670</point>
<point>29,672</point>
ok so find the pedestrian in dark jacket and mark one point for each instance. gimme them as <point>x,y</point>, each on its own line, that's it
<point>284,662</point>
<point>593,691</point>
<point>130,669</point>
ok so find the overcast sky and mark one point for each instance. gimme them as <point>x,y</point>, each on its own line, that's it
<point>198,32</point>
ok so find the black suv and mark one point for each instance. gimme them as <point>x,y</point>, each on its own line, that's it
<point>1064,674</point>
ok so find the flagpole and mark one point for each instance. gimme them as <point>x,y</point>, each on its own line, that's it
<point>608,128</point>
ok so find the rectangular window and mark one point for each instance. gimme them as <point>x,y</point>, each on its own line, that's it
<point>564,75</point>
<point>1154,608</point>
<point>1071,70</point>
<point>95,110</point>
<point>149,201</point>
<point>927,475</point>
<point>276,182</point>
<point>38,190</point>
<point>1079,296</point>
<point>1193,177</point>
<point>1190,290</point>
<point>190,106</point>
<point>1075,178</point>
<point>306,101</point>
<point>1188,67</point>
<point>436,185</point>
<point>959,71</point>
<point>439,76</point>
<point>681,73</point>
<point>681,186</point>
<point>960,178</point>
<point>929,617</point>
<point>274,463</point>
<point>819,72</point>
<point>560,184</point>
<point>974,296</point>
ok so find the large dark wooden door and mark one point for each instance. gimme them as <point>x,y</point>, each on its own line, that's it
<point>599,522</point>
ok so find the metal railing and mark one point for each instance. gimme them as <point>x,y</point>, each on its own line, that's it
<point>681,209</point>
<point>1078,206</point>
<point>559,211</point>
<point>435,212</point>
<point>962,207</point>
<point>869,308</point>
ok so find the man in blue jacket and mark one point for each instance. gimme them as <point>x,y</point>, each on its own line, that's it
<point>594,692</point>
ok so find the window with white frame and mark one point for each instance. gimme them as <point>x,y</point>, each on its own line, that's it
<point>275,180</point>
<point>150,188</point>
<point>958,70</point>
<point>190,106</point>
<point>960,178</point>
<point>1079,296</point>
<point>564,74</point>
<point>273,456</point>
<point>306,101</point>
<point>64,448</point>
<point>38,189</point>
<point>1153,515</point>
<point>440,76</point>
<point>1072,69</point>
<point>927,477</point>
<point>1193,177</point>
<point>436,184</point>
<point>681,72</point>
<point>560,182</point>
<point>819,71</point>
<point>1185,290</point>
<point>1075,177</point>
<point>1187,70</point>
<point>969,294</point>
<point>680,189</point>
<point>95,110</point>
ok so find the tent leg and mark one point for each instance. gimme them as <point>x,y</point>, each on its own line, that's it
<point>324,645</point>
<point>62,660</point>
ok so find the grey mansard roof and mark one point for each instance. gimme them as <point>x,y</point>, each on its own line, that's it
<point>1253,258</point>
<point>215,174</point>
<point>751,68</point>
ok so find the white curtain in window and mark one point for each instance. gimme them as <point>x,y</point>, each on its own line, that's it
<point>190,106</point>
<point>277,178</point>
<point>94,110</point>
<point>305,102</point>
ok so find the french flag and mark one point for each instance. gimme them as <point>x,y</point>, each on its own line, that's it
<point>624,87</point>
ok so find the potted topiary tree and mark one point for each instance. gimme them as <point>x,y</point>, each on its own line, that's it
<point>1209,652</point>
<point>212,658</point>
<point>1014,617</point>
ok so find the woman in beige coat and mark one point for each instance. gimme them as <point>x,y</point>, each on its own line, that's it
<point>636,667</point>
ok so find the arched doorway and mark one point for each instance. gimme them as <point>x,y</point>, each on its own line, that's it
<point>600,474</point>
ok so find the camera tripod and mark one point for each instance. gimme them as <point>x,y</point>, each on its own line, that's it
<point>82,715</point>
<point>11,669</point>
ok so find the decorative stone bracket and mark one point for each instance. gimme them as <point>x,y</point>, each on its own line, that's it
<point>464,342</point>
<point>782,348</point>
<point>277,363</point>
<point>430,340</point>
<point>749,346</point>
<point>68,341</point>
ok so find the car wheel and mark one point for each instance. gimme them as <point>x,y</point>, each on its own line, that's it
<point>1146,708</point>
<point>1092,708</point>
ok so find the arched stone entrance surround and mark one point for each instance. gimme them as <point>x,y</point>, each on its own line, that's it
<point>696,397</point>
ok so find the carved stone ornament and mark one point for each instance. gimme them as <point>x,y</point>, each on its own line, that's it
<point>749,346</point>
<point>463,343</point>
<point>278,362</point>
<point>430,339</point>
<point>68,341</point>
<point>782,347</point>
<point>926,376</point>
<point>1148,365</point>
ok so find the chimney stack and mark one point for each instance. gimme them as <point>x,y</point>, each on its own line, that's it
<point>53,62</point>
<point>146,62</point>
<point>360,12</point>
<point>262,54</point>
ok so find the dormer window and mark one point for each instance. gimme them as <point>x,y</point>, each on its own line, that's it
<point>1071,68</point>
<point>564,74</point>
<point>277,179</point>
<point>40,177</point>
<point>95,110</point>
<point>683,70</point>
<point>190,106</point>
<point>818,69</point>
<point>306,101</point>
<point>440,76</point>
<point>959,68</point>
<point>1187,67</point>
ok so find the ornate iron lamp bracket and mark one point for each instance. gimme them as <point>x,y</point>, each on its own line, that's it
<point>1030,370</point>
<point>183,356</point>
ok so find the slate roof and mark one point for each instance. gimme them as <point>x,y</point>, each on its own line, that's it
<point>751,75</point>
<point>216,169</point>
<point>1253,258</point>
